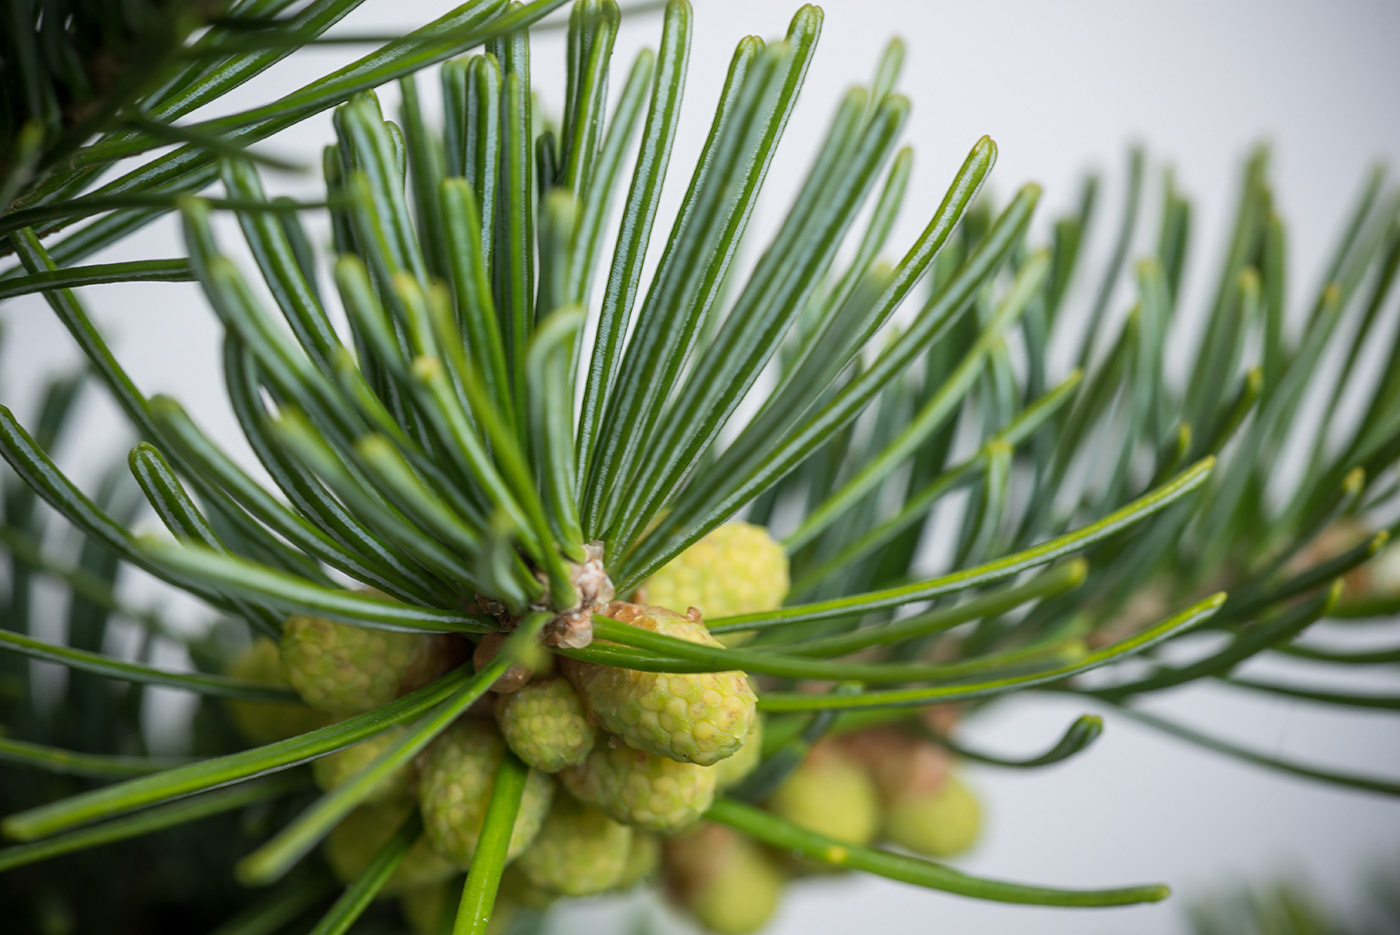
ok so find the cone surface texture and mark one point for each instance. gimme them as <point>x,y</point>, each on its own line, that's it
<point>343,669</point>
<point>641,789</point>
<point>736,569</point>
<point>733,770</point>
<point>352,844</point>
<point>579,851</point>
<point>546,725</point>
<point>696,717</point>
<point>455,786</point>
<point>264,722</point>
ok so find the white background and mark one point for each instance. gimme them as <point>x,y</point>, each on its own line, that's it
<point>1061,87</point>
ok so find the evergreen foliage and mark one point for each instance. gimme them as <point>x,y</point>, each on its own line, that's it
<point>518,426</point>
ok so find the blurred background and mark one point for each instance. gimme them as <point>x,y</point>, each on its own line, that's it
<point>1063,88</point>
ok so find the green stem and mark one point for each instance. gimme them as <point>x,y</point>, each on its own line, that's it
<point>258,582</point>
<point>72,763</point>
<point>484,875</point>
<point>1343,699</point>
<point>155,819</point>
<point>1365,783</point>
<point>768,828</point>
<point>1152,502</point>
<point>1086,729</point>
<point>916,697</point>
<point>289,845</point>
<point>90,806</point>
<point>357,897</point>
<point>74,276</point>
<point>216,685</point>
<point>1051,583</point>
<point>682,656</point>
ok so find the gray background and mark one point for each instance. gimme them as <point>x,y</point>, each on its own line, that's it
<point>1061,87</point>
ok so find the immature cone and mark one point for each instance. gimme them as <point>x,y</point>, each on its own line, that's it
<point>343,669</point>
<point>454,788</point>
<point>723,879</point>
<point>579,851</point>
<point>354,842</point>
<point>831,795</point>
<point>641,789</point>
<point>546,725</point>
<point>941,822</point>
<point>737,569</point>
<point>923,806</point>
<point>330,771</point>
<point>734,770</point>
<point>643,860</point>
<point>898,762</point>
<point>264,722</point>
<point>696,717</point>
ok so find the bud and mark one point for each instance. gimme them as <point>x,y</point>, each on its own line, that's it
<point>454,789</point>
<point>579,851</point>
<point>734,770</point>
<point>264,722</point>
<point>723,879</point>
<point>343,669</point>
<point>643,860</point>
<point>944,821</point>
<point>737,568</point>
<point>641,789</point>
<point>354,842</point>
<point>699,717</point>
<point>546,725</point>
<point>831,795</point>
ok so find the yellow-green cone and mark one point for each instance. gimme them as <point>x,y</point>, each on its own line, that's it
<point>579,851</point>
<point>454,788</point>
<point>831,795</point>
<point>942,822</point>
<point>897,761</point>
<point>736,569</point>
<point>264,722</point>
<point>698,717</point>
<point>724,880</point>
<point>352,844</point>
<point>924,807</point>
<point>735,769</point>
<point>330,771</point>
<point>343,669</point>
<point>641,789</point>
<point>546,725</point>
<point>643,860</point>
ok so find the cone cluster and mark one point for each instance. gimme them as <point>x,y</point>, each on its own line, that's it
<point>618,759</point>
<point>622,763</point>
<point>875,787</point>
